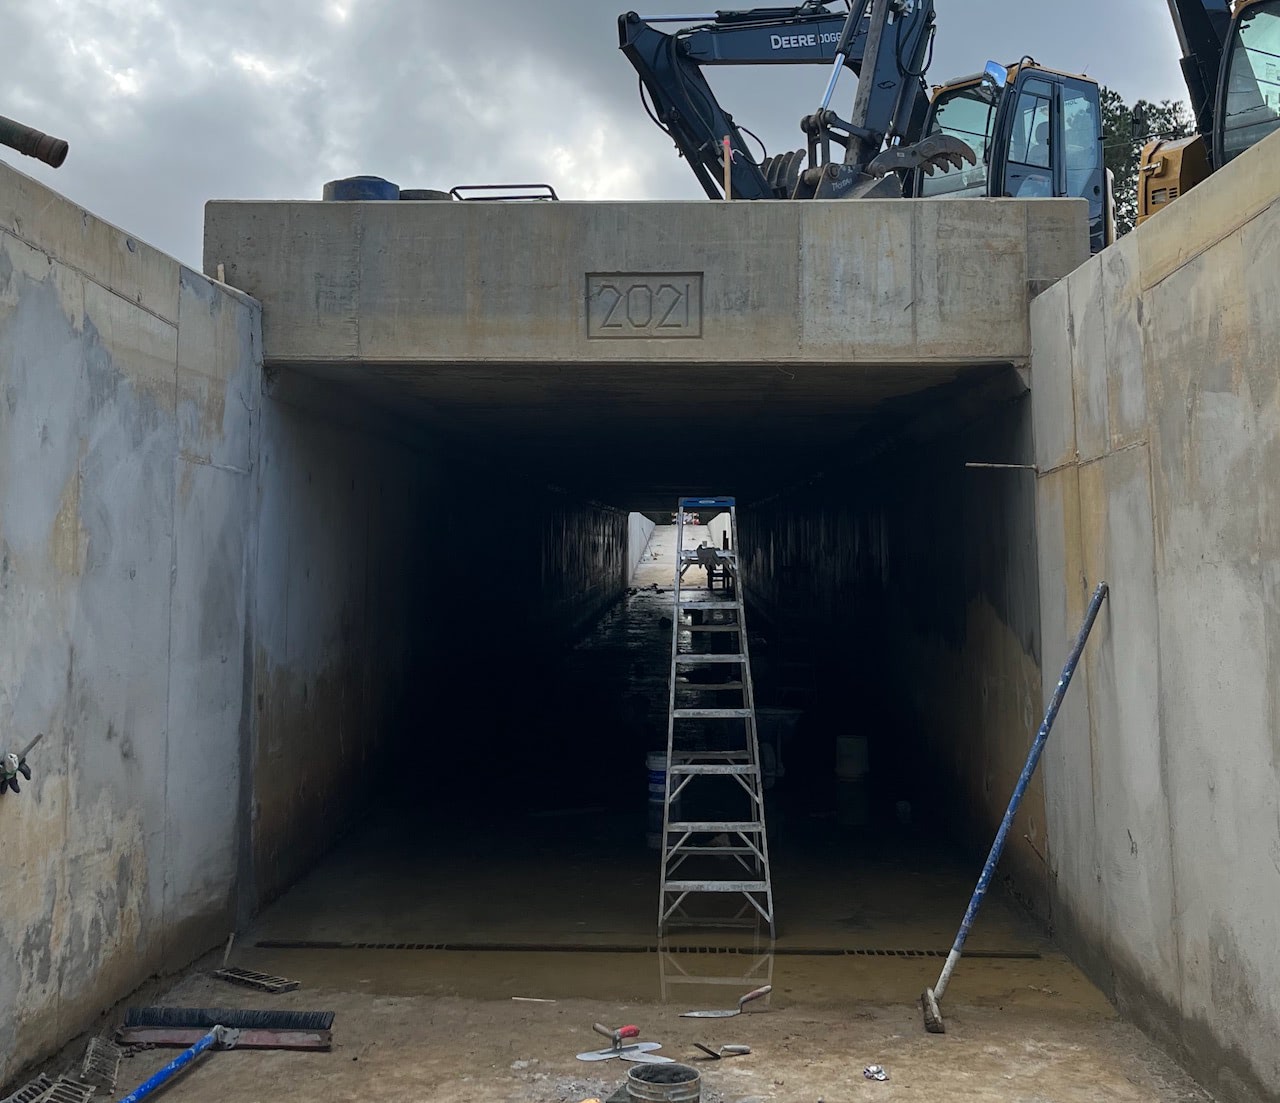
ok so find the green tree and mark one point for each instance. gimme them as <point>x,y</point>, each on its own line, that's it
<point>1123,142</point>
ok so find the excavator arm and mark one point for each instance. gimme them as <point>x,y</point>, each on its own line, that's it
<point>685,107</point>
<point>884,42</point>
<point>1202,27</point>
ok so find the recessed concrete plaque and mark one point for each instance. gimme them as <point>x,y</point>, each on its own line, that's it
<point>640,305</point>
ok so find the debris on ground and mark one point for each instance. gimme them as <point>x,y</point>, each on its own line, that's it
<point>875,1072</point>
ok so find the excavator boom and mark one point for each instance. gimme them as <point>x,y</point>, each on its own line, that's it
<point>884,42</point>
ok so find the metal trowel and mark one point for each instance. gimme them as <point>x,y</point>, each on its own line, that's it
<point>637,1051</point>
<point>732,1011</point>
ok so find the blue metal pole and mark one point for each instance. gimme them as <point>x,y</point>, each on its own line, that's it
<point>1033,759</point>
<point>178,1063</point>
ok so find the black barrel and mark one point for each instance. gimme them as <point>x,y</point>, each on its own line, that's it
<point>25,139</point>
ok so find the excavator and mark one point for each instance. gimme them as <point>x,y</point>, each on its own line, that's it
<point>1023,130</point>
<point>26,140</point>
<point>1037,132</point>
<point>1231,65</point>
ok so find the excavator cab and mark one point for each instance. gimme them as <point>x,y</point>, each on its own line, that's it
<point>1249,92</point>
<point>1037,133</point>
<point>1231,62</point>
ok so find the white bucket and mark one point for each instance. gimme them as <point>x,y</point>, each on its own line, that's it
<point>853,759</point>
<point>656,763</point>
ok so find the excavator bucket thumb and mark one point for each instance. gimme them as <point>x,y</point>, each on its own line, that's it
<point>937,151</point>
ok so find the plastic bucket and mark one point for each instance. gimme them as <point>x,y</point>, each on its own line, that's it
<point>664,1084</point>
<point>360,188</point>
<point>655,763</point>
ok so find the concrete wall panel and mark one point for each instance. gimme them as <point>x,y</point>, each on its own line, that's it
<point>1122,303</point>
<point>1053,412</point>
<point>1180,800</point>
<point>1087,332</point>
<point>120,584</point>
<point>639,532</point>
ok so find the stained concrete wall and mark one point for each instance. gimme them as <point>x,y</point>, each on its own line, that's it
<point>1157,419</point>
<point>912,582</point>
<point>128,391</point>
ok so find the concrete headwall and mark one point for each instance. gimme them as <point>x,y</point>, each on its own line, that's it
<point>128,392</point>
<point>1157,418</point>
<point>874,282</point>
<point>912,581</point>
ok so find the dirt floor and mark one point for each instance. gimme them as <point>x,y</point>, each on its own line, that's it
<point>1009,1041</point>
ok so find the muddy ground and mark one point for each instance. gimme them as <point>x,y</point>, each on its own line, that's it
<point>402,1033</point>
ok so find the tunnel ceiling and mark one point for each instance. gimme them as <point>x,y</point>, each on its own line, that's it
<point>638,436</point>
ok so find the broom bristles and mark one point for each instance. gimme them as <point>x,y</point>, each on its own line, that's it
<point>932,1013</point>
<point>236,1018</point>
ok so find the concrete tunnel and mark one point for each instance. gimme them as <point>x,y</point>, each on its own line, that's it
<point>324,577</point>
<point>510,687</point>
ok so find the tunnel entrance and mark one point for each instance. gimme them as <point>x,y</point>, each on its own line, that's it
<point>891,599</point>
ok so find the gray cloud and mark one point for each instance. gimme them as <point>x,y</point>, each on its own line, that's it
<point>169,103</point>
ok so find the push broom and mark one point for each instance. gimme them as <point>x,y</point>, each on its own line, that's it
<point>203,1028</point>
<point>931,1000</point>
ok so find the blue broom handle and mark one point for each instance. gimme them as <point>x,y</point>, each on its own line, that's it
<point>178,1063</point>
<point>1033,759</point>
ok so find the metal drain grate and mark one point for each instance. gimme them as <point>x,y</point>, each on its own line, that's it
<point>29,1093</point>
<point>101,1065</point>
<point>593,948</point>
<point>250,979</point>
<point>67,1091</point>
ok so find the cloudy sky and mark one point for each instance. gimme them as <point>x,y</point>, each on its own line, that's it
<point>168,103</point>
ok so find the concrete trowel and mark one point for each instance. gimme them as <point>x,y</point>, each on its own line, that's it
<point>638,1051</point>
<point>764,991</point>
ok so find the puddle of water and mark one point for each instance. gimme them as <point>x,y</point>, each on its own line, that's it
<point>694,981</point>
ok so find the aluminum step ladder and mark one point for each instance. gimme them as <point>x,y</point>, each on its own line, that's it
<point>714,842</point>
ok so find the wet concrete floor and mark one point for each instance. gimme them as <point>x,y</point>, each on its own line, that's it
<point>551,895</point>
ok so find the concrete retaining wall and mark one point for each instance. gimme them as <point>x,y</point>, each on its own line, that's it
<point>639,532</point>
<point>128,392</point>
<point>1157,417</point>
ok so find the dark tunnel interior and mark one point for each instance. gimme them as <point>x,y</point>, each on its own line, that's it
<point>515,663</point>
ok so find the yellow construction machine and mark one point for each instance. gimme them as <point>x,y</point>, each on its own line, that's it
<point>1231,63</point>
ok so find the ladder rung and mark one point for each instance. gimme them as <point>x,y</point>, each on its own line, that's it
<point>715,886</point>
<point>704,768</point>
<point>713,714</point>
<point>708,605</point>
<point>688,758</point>
<point>747,827</point>
<point>693,660</point>
<point>714,851</point>
<point>710,628</point>
<point>712,687</point>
